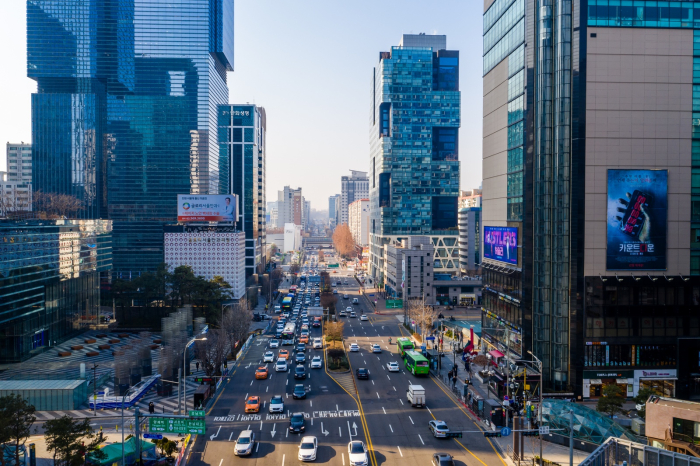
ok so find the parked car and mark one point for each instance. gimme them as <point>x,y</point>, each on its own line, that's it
<point>357,453</point>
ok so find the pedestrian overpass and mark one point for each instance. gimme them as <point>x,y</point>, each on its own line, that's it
<point>317,241</point>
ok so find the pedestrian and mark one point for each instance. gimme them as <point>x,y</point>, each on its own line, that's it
<point>454,381</point>
<point>466,365</point>
<point>197,365</point>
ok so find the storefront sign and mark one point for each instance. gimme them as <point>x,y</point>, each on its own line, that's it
<point>655,373</point>
<point>608,374</point>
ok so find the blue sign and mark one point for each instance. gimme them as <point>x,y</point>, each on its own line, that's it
<point>501,244</point>
<point>372,294</point>
<point>505,432</point>
<point>422,347</point>
<point>153,436</point>
<point>430,338</point>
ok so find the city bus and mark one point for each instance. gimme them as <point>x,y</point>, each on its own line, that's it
<point>404,344</point>
<point>416,363</point>
<point>287,304</point>
<point>288,333</point>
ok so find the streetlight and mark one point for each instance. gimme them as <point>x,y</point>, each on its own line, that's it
<point>539,408</point>
<point>184,373</point>
<point>124,398</point>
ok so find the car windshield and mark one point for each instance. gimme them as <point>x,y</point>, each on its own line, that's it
<point>252,402</point>
<point>307,446</point>
<point>441,426</point>
<point>244,440</point>
<point>297,418</point>
<point>276,400</point>
<point>446,462</point>
<point>356,447</point>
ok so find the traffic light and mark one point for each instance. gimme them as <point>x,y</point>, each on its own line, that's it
<point>531,433</point>
<point>492,434</point>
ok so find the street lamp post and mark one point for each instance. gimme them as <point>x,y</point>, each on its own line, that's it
<point>123,399</point>
<point>184,372</point>
<point>539,408</point>
<point>94,387</point>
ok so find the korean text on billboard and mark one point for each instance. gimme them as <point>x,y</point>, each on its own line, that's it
<point>207,208</point>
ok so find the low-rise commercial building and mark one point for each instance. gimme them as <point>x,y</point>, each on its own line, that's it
<point>292,237</point>
<point>456,291</point>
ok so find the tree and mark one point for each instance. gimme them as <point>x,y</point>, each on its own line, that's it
<point>343,241</point>
<point>641,399</point>
<point>236,323</point>
<point>54,205</point>
<point>70,440</point>
<point>423,315</point>
<point>334,331</point>
<point>212,351</point>
<point>481,360</point>
<point>325,285</point>
<point>167,447</point>
<point>328,301</point>
<point>16,419</point>
<point>611,401</point>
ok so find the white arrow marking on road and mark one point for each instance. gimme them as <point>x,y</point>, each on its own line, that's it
<point>213,436</point>
<point>400,451</point>
<point>412,421</point>
<point>421,439</point>
<point>273,430</point>
<point>392,429</point>
<point>230,436</point>
<point>324,432</point>
<point>354,426</point>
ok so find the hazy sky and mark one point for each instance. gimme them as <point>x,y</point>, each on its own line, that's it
<point>309,63</point>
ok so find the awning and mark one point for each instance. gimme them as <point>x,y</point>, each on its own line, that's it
<point>596,382</point>
<point>622,381</point>
<point>496,354</point>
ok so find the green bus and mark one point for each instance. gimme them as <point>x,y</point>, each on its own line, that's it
<point>404,344</point>
<point>416,363</point>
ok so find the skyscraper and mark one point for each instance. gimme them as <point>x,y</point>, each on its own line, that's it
<point>124,117</point>
<point>242,144</point>
<point>332,211</point>
<point>591,192</point>
<point>414,166</point>
<point>352,188</point>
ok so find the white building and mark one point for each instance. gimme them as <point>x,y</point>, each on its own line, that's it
<point>19,162</point>
<point>352,188</point>
<point>209,251</point>
<point>358,221</point>
<point>292,237</point>
<point>15,196</point>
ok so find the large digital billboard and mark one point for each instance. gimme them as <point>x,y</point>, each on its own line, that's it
<point>207,208</point>
<point>636,218</point>
<point>501,244</point>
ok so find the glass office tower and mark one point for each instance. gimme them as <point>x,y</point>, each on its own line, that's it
<point>414,148</point>
<point>124,117</point>
<point>242,148</point>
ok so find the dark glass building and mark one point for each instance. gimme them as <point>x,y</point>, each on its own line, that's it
<point>414,149</point>
<point>124,117</point>
<point>242,147</point>
<point>591,157</point>
<point>49,281</point>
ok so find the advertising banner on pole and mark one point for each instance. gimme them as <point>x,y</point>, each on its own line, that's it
<point>501,244</point>
<point>207,208</point>
<point>637,214</point>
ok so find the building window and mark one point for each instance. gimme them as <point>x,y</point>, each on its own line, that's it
<point>444,212</point>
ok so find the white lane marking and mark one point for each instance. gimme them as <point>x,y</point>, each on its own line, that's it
<point>400,451</point>
<point>340,431</point>
<point>261,425</point>
<point>342,455</point>
<point>246,396</point>
<point>387,376</point>
<point>395,390</point>
<point>287,382</point>
<point>429,410</point>
<point>392,429</point>
<point>373,382</point>
<point>421,439</point>
<point>251,383</point>
<point>377,394</point>
<point>283,456</point>
<point>336,408</point>
<point>286,436</point>
<point>383,409</point>
<point>230,436</point>
<point>266,391</point>
<point>311,403</point>
<point>222,460</point>
<point>364,361</point>
<point>257,445</point>
<point>412,421</point>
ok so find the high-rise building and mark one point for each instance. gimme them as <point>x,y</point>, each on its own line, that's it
<point>290,207</point>
<point>470,198</point>
<point>358,221</point>
<point>352,188</point>
<point>469,239</point>
<point>124,117</point>
<point>332,211</point>
<point>414,165</point>
<point>19,162</point>
<point>591,192</point>
<point>307,215</point>
<point>242,141</point>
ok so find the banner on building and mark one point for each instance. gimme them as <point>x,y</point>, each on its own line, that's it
<point>637,219</point>
<point>501,244</point>
<point>207,208</point>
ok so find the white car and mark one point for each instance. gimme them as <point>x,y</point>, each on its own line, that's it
<point>354,347</point>
<point>245,443</point>
<point>352,313</point>
<point>318,344</point>
<point>393,366</point>
<point>376,348</point>
<point>307,448</point>
<point>276,404</point>
<point>438,428</point>
<point>345,296</point>
<point>269,356</point>
<point>281,365</point>
<point>348,309</point>
<point>275,343</point>
<point>316,362</point>
<point>364,317</point>
<point>357,453</point>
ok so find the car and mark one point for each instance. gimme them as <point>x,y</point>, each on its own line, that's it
<point>245,443</point>
<point>300,358</point>
<point>362,373</point>
<point>376,348</point>
<point>355,301</point>
<point>261,373</point>
<point>278,308</point>
<point>276,404</point>
<point>296,423</point>
<point>316,362</point>
<point>269,356</point>
<point>305,327</point>
<point>307,449</point>
<point>345,296</point>
<point>281,365</point>
<point>300,372</point>
<point>316,322</point>
<point>364,317</point>
<point>354,347</point>
<point>352,314</point>
<point>283,354</point>
<point>438,428</point>
<point>442,459</point>
<point>393,366</point>
<point>318,344</point>
<point>348,309</point>
<point>332,283</point>
<point>335,291</point>
<point>357,453</point>
<point>342,314</point>
<point>301,347</point>
<point>304,339</point>
<point>252,404</point>
<point>299,392</point>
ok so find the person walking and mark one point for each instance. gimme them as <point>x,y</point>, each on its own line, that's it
<point>197,365</point>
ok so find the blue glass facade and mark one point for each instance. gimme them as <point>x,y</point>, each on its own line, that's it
<point>125,112</point>
<point>242,147</point>
<point>49,281</point>
<point>414,149</point>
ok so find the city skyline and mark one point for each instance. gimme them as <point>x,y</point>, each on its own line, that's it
<point>259,82</point>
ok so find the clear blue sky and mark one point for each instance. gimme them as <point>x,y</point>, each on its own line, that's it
<point>309,63</point>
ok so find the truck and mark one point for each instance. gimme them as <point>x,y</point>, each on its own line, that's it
<point>416,395</point>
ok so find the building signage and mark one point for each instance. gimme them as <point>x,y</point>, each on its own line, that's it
<point>608,374</point>
<point>636,219</point>
<point>501,244</point>
<point>207,208</point>
<point>666,373</point>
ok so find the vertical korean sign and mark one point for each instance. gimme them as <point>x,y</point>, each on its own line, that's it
<point>637,217</point>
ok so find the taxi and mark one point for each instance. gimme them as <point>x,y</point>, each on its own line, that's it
<point>252,404</point>
<point>304,338</point>
<point>284,354</point>
<point>261,372</point>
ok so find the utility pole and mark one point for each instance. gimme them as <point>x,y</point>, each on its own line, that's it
<point>539,408</point>
<point>571,439</point>
<point>94,387</point>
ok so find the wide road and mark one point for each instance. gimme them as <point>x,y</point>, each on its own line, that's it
<point>376,413</point>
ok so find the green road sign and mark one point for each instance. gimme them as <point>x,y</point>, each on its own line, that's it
<point>176,425</point>
<point>197,413</point>
<point>394,303</point>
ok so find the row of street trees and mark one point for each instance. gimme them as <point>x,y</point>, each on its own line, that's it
<point>344,242</point>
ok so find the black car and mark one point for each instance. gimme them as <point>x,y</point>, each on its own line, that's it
<point>301,347</point>
<point>362,373</point>
<point>442,459</point>
<point>296,422</point>
<point>299,392</point>
<point>299,372</point>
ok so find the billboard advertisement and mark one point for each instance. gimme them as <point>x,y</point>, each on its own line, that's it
<point>207,208</point>
<point>636,219</point>
<point>501,244</point>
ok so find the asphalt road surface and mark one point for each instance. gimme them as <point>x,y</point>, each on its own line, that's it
<point>377,413</point>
